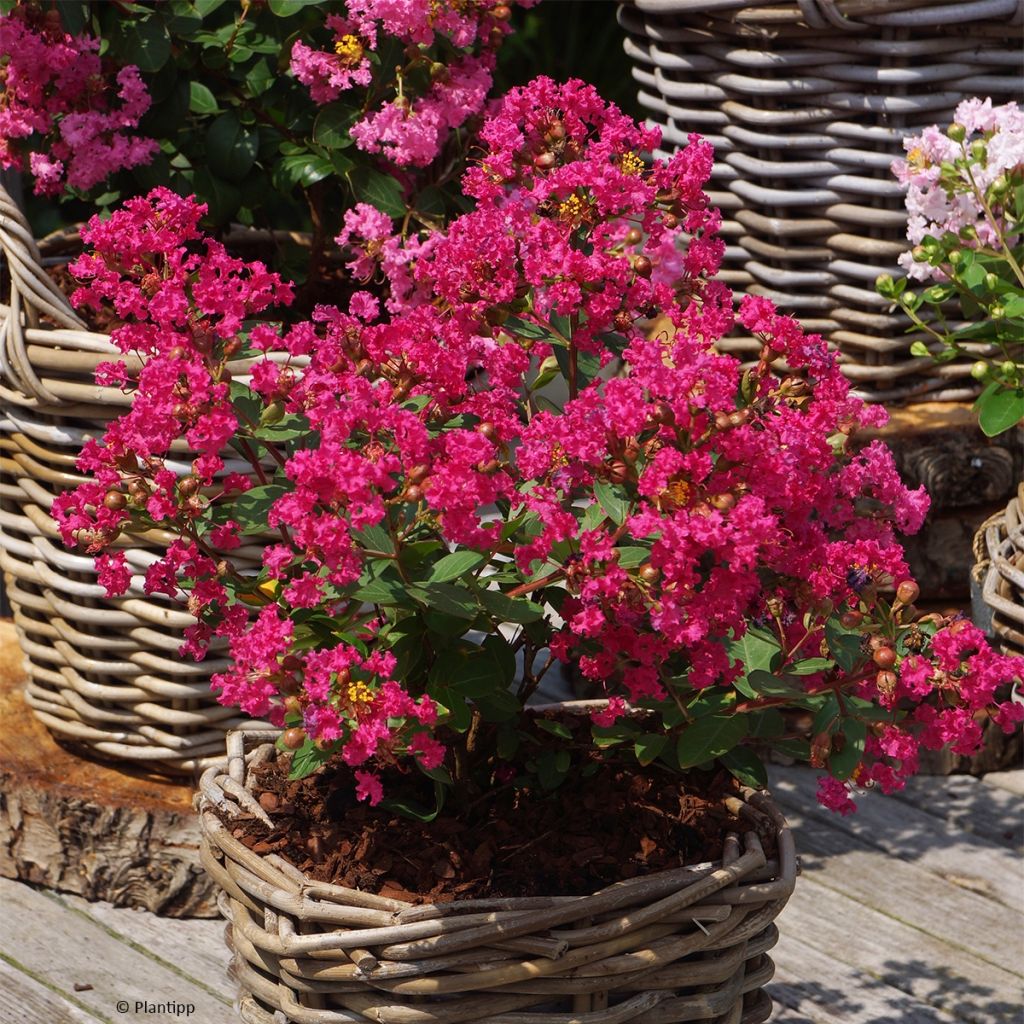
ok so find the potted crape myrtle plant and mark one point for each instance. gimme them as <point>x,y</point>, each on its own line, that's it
<point>543,587</point>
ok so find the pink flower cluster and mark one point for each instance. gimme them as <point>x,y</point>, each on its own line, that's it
<point>664,502</point>
<point>55,96</point>
<point>942,199</point>
<point>409,117</point>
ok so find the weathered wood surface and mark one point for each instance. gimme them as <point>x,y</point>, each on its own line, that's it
<point>83,827</point>
<point>897,919</point>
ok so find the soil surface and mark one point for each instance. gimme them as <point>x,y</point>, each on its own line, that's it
<point>576,840</point>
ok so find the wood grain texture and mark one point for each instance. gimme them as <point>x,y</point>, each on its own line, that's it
<point>60,948</point>
<point>83,827</point>
<point>26,1001</point>
<point>914,837</point>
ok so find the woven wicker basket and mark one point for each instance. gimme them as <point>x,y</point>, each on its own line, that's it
<point>807,102</point>
<point>681,945</point>
<point>104,673</point>
<point>999,550</point>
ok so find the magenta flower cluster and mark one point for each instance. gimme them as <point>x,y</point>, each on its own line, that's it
<point>60,108</point>
<point>446,82</point>
<point>496,439</point>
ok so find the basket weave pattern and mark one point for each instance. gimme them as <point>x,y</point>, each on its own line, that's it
<point>683,945</point>
<point>102,672</point>
<point>999,549</point>
<point>807,102</point>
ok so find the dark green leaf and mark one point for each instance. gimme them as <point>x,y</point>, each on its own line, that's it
<point>709,738</point>
<point>844,645</point>
<point>746,766</point>
<point>222,197</point>
<point>446,598</point>
<point>409,808</point>
<point>526,329</point>
<point>333,125</point>
<point>455,566</point>
<point>467,670</point>
<point>1000,410</point>
<point>374,538</point>
<point>510,609</point>
<point>303,169</point>
<point>378,190</point>
<point>843,763</point>
<point>756,649</point>
<point>552,767</point>
<point>252,507</point>
<point>306,760</point>
<point>231,147</point>
<point>201,100</point>
<point>630,558</point>
<point>649,747</point>
<point>286,8</point>
<point>142,41</point>
<point>613,500</point>
<point>555,728</point>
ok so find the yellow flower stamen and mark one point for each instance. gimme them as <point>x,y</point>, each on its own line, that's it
<point>630,163</point>
<point>359,693</point>
<point>349,49</point>
<point>572,209</point>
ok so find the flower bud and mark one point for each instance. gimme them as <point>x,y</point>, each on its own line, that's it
<point>884,284</point>
<point>991,281</point>
<point>633,236</point>
<point>997,312</point>
<point>272,414</point>
<point>114,500</point>
<point>956,257</point>
<point>969,232</point>
<point>979,371</point>
<point>188,486</point>
<point>642,266</point>
<point>884,657</point>
<point>956,132</point>
<point>978,150</point>
<point>908,592</point>
<point>650,574</point>
<point>413,493</point>
<point>544,161</point>
<point>1008,368</point>
<point>851,619</point>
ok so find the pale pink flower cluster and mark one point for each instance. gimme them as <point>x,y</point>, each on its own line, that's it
<point>55,98</point>
<point>938,202</point>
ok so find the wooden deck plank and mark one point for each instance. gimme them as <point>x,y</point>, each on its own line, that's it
<point>909,893</point>
<point>823,990</point>
<point>61,948</point>
<point>884,950</point>
<point>965,802</point>
<point>1012,782</point>
<point>26,1001</point>
<point>904,831</point>
<point>195,947</point>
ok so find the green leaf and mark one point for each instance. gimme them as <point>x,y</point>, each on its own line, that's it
<point>467,670</point>
<point>552,767</point>
<point>407,807</point>
<point>306,760</point>
<point>333,125</point>
<point>380,190</point>
<point>756,649</point>
<point>446,598</point>
<point>231,147</point>
<point>1000,410</point>
<point>510,609</point>
<point>303,169</point>
<point>252,507</point>
<point>809,666</point>
<point>201,100</point>
<point>613,500</point>
<point>1014,306</point>
<point>844,645</point>
<point>843,763</point>
<point>502,656</point>
<point>649,747</point>
<point>455,566</point>
<point>526,329</point>
<point>143,41</point>
<point>386,589</point>
<point>374,538</point>
<point>746,766</point>
<point>555,728</point>
<point>709,738</point>
<point>286,8</point>
<point>631,557</point>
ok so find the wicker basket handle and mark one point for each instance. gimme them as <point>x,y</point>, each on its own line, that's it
<point>33,292</point>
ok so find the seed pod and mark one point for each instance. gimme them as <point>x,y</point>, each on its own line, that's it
<point>293,738</point>
<point>908,592</point>
<point>886,682</point>
<point>488,430</point>
<point>633,236</point>
<point>618,472</point>
<point>413,493</point>
<point>663,413</point>
<point>418,474</point>
<point>176,353</point>
<point>851,619</point>
<point>642,266</point>
<point>650,574</point>
<point>723,502</point>
<point>884,657</point>
<point>544,161</point>
<point>292,705</point>
<point>114,500</point>
<point>670,221</point>
<point>188,486</point>
<point>489,468</point>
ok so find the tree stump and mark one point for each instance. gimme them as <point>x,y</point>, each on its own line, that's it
<point>79,826</point>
